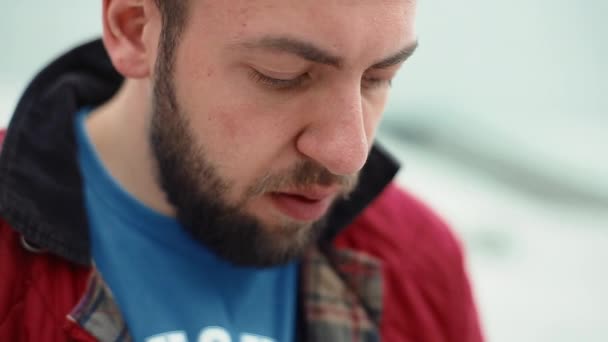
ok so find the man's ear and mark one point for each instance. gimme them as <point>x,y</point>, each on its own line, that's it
<point>124,25</point>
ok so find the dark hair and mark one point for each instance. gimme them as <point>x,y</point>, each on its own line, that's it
<point>174,15</point>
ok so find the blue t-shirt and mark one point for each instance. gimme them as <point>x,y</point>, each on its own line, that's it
<point>170,288</point>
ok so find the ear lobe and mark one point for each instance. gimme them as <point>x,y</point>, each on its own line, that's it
<point>123,27</point>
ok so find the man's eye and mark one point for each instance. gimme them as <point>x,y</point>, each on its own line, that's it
<point>277,83</point>
<point>374,82</point>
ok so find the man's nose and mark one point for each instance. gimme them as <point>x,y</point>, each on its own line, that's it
<point>336,136</point>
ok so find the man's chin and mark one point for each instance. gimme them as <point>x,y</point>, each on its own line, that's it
<point>247,241</point>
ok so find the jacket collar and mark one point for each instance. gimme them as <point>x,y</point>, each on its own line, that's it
<point>40,184</point>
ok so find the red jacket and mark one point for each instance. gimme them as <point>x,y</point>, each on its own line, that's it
<point>399,270</point>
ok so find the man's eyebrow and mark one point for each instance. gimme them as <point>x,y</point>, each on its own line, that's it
<point>316,54</point>
<point>297,47</point>
<point>397,58</point>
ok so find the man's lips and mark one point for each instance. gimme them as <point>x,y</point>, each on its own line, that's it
<point>304,205</point>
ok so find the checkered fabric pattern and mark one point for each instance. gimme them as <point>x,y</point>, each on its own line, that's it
<point>342,296</point>
<point>98,314</point>
<point>341,292</point>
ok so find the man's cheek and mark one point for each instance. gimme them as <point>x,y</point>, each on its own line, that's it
<point>229,126</point>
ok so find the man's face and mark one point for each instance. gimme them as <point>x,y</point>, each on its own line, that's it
<point>266,114</point>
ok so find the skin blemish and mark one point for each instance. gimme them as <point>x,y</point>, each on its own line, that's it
<point>229,126</point>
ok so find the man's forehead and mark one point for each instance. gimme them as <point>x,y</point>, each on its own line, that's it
<point>341,28</point>
<point>326,13</point>
<point>245,7</point>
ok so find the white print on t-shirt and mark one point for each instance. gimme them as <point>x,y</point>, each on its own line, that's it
<point>211,334</point>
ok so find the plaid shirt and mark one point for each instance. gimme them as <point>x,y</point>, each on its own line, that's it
<point>340,292</point>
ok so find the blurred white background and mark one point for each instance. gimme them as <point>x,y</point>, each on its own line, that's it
<point>500,120</point>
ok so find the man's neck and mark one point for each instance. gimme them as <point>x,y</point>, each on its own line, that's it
<point>119,132</point>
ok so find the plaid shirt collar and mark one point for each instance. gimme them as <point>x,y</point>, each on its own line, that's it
<point>340,298</point>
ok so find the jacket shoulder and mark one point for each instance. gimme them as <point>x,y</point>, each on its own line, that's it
<point>427,293</point>
<point>400,223</point>
<point>39,288</point>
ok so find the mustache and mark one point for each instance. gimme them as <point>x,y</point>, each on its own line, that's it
<point>303,174</point>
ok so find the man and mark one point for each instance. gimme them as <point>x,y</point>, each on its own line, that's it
<point>208,173</point>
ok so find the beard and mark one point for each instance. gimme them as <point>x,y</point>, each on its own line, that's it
<point>194,187</point>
